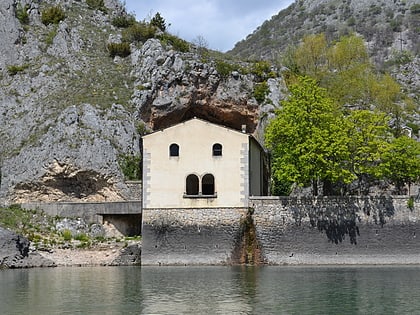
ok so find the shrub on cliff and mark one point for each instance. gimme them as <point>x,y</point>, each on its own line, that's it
<point>52,15</point>
<point>15,69</point>
<point>97,5</point>
<point>130,166</point>
<point>138,32</point>
<point>176,42</point>
<point>119,49</point>
<point>261,90</point>
<point>22,13</point>
<point>225,69</point>
<point>159,22</point>
<point>123,21</point>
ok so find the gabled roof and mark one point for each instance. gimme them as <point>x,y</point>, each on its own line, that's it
<point>207,123</point>
<point>196,119</point>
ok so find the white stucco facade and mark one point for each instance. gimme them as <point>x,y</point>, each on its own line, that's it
<point>224,178</point>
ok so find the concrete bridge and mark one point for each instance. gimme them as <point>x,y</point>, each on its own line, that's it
<point>124,215</point>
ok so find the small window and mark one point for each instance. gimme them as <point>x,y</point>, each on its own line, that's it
<point>207,184</point>
<point>217,149</point>
<point>192,185</point>
<point>174,150</point>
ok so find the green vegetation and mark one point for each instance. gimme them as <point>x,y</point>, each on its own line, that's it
<point>315,138</point>
<point>52,15</point>
<point>410,203</point>
<point>97,5</point>
<point>261,90</point>
<point>119,49</point>
<point>130,165</point>
<point>123,21</point>
<point>401,162</point>
<point>225,68</point>
<point>138,32</point>
<point>40,229</point>
<point>22,13</point>
<point>135,32</point>
<point>306,138</point>
<point>415,9</point>
<point>49,39</point>
<point>262,71</point>
<point>67,236</point>
<point>176,42</point>
<point>159,22</point>
<point>344,69</point>
<point>15,69</point>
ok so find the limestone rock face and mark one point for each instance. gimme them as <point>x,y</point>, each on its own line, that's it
<point>68,111</point>
<point>10,33</point>
<point>173,87</point>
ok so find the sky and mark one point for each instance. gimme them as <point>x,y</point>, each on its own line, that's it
<point>221,23</point>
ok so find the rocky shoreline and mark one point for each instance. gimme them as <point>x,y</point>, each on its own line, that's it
<point>15,252</point>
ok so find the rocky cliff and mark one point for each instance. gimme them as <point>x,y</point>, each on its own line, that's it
<point>69,111</point>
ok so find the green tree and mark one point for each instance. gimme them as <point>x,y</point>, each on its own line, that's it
<point>344,69</point>
<point>159,22</point>
<point>401,162</point>
<point>348,51</point>
<point>306,138</point>
<point>310,57</point>
<point>368,137</point>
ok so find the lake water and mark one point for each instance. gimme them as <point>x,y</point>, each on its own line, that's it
<point>211,290</point>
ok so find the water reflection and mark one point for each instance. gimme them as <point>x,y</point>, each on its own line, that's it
<point>211,290</point>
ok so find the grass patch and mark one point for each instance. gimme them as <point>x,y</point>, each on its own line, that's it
<point>119,49</point>
<point>15,69</point>
<point>52,15</point>
<point>97,5</point>
<point>22,13</point>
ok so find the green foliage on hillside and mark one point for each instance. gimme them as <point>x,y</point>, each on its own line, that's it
<point>344,69</point>
<point>15,69</point>
<point>261,90</point>
<point>177,43</point>
<point>138,32</point>
<point>224,68</point>
<point>123,21</point>
<point>159,22</point>
<point>130,166</point>
<point>97,5</point>
<point>316,138</point>
<point>22,13</point>
<point>119,49</point>
<point>52,15</point>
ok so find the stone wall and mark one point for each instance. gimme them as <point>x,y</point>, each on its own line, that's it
<point>337,230</point>
<point>192,236</point>
<point>273,230</point>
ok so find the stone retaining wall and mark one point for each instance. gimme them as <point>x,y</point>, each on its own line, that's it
<point>328,230</point>
<point>191,236</point>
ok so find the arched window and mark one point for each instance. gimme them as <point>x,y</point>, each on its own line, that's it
<point>217,149</point>
<point>192,185</point>
<point>174,150</point>
<point>207,184</point>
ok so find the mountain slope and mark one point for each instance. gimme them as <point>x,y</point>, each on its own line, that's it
<point>386,25</point>
<point>391,29</point>
<point>71,115</point>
